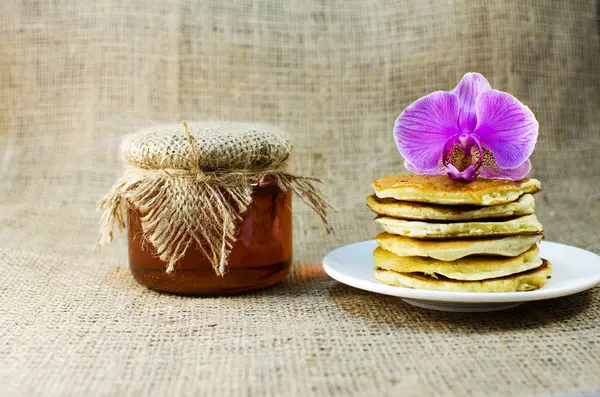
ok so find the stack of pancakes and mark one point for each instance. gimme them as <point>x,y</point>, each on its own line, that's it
<point>447,235</point>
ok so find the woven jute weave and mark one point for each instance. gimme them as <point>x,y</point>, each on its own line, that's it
<point>194,186</point>
<point>76,77</point>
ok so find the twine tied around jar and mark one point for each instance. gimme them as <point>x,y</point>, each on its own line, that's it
<point>194,186</point>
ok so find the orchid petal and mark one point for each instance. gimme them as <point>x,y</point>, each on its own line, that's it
<point>490,170</point>
<point>471,85</point>
<point>506,127</point>
<point>431,171</point>
<point>423,127</point>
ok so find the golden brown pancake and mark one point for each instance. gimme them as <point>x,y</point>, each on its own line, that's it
<point>526,281</point>
<point>420,211</point>
<point>475,267</point>
<point>444,190</point>
<point>449,250</point>
<point>527,224</point>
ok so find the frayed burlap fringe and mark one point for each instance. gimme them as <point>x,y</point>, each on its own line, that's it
<point>182,207</point>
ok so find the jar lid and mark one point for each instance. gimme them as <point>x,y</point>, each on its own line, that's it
<point>209,146</point>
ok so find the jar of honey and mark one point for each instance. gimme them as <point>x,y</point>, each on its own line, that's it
<point>208,207</point>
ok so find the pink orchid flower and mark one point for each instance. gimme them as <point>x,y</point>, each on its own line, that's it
<point>471,131</point>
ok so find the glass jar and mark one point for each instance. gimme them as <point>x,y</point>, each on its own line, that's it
<point>261,256</point>
<point>192,182</point>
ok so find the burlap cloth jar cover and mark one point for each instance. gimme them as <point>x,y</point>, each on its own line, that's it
<point>193,182</point>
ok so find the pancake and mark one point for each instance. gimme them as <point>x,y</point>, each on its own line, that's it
<point>444,190</point>
<point>420,211</point>
<point>449,250</point>
<point>527,224</point>
<point>471,268</point>
<point>526,281</point>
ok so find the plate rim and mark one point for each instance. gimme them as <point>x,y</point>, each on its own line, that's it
<point>459,297</point>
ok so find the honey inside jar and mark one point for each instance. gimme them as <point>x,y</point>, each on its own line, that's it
<point>260,257</point>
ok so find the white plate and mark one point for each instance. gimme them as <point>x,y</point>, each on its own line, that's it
<point>573,270</point>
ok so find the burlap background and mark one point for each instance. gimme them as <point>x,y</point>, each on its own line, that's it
<point>76,76</point>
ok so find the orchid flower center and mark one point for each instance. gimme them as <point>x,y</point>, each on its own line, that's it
<point>462,164</point>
